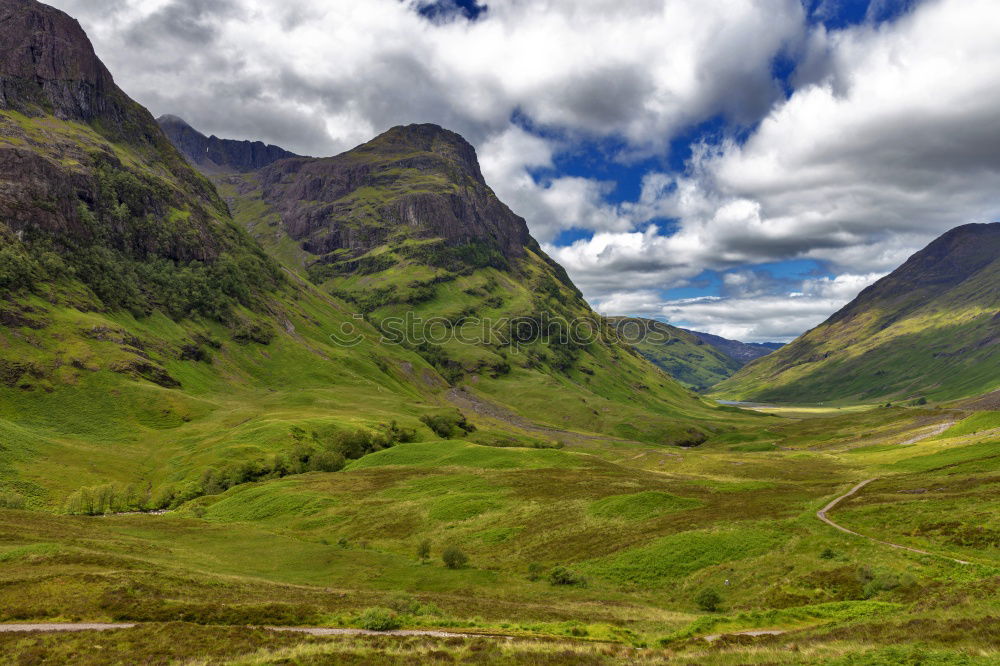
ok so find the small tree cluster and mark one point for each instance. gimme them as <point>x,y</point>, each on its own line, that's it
<point>446,426</point>
<point>107,499</point>
<point>708,600</point>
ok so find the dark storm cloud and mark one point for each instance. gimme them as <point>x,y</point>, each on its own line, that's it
<point>192,21</point>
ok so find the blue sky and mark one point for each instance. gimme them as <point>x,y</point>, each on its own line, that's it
<point>743,168</point>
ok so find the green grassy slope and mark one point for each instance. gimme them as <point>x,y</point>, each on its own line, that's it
<point>321,547</point>
<point>930,329</point>
<point>681,354</point>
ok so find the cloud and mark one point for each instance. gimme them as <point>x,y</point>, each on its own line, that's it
<point>753,313</point>
<point>898,142</point>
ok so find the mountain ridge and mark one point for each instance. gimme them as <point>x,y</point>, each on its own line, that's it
<point>213,154</point>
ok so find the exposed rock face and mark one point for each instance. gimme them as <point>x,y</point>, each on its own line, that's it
<point>214,155</point>
<point>420,180</point>
<point>48,65</point>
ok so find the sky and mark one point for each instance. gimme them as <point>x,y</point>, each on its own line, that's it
<point>741,167</point>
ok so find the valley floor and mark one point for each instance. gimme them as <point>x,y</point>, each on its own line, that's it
<point>602,551</point>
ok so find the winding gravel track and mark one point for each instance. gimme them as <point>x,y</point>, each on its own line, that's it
<point>821,514</point>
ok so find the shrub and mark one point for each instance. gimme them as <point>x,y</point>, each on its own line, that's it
<point>535,571</point>
<point>708,600</point>
<point>379,619</point>
<point>447,425</point>
<point>454,558</point>
<point>424,550</point>
<point>828,554</point>
<point>563,576</point>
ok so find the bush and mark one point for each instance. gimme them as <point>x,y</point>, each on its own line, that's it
<point>454,558</point>
<point>424,550</point>
<point>447,425</point>
<point>563,576</point>
<point>708,600</point>
<point>828,554</point>
<point>327,461</point>
<point>379,619</point>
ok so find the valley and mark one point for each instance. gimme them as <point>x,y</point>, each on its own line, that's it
<point>352,397</point>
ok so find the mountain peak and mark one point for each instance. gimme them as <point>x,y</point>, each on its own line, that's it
<point>427,138</point>
<point>930,328</point>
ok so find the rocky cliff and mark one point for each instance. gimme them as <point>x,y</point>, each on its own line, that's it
<point>418,181</point>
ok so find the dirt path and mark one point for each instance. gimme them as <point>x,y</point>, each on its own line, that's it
<point>89,626</point>
<point>821,514</point>
<point>749,632</point>
<point>312,631</point>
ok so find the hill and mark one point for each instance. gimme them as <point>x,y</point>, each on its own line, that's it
<point>742,352</point>
<point>930,329</point>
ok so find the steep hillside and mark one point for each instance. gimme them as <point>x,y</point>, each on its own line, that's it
<point>406,231</point>
<point>682,354</point>
<point>930,329</point>
<point>212,154</point>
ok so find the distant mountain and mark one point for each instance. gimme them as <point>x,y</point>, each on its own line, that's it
<point>682,354</point>
<point>931,328</point>
<point>743,352</point>
<point>212,154</point>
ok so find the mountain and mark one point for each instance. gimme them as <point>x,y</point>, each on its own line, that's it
<point>741,352</point>
<point>929,329</point>
<point>212,154</point>
<point>148,340</point>
<point>406,231</point>
<point>682,354</point>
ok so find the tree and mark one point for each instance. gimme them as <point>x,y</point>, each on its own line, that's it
<point>708,600</point>
<point>424,550</point>
<point>454,558</point>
